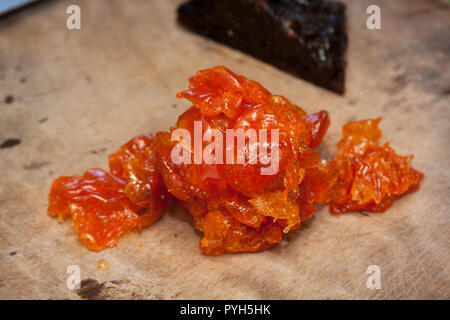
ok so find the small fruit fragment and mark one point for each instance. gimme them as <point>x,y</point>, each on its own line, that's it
<point>369,176</point>
<point>223,234</point>
<point>100,210</point>
<point>136,162</point>
<point>317,124</point>
<point>218,90</point>
<point>106,206</point>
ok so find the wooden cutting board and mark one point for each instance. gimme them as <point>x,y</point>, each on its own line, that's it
<point>74,96</point>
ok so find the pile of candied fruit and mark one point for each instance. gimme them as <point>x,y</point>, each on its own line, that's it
<point>237,208</point>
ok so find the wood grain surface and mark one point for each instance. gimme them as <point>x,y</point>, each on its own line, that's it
<point>74,96</point>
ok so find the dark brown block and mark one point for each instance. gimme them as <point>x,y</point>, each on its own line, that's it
<point>304,37</point>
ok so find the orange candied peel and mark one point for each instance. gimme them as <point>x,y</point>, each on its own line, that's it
<point>369,177</point>
<point>234,205</point>
<point>100,210</point>
<point>219,90</point>
<point>106,206</point>
<point>137,163</point>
